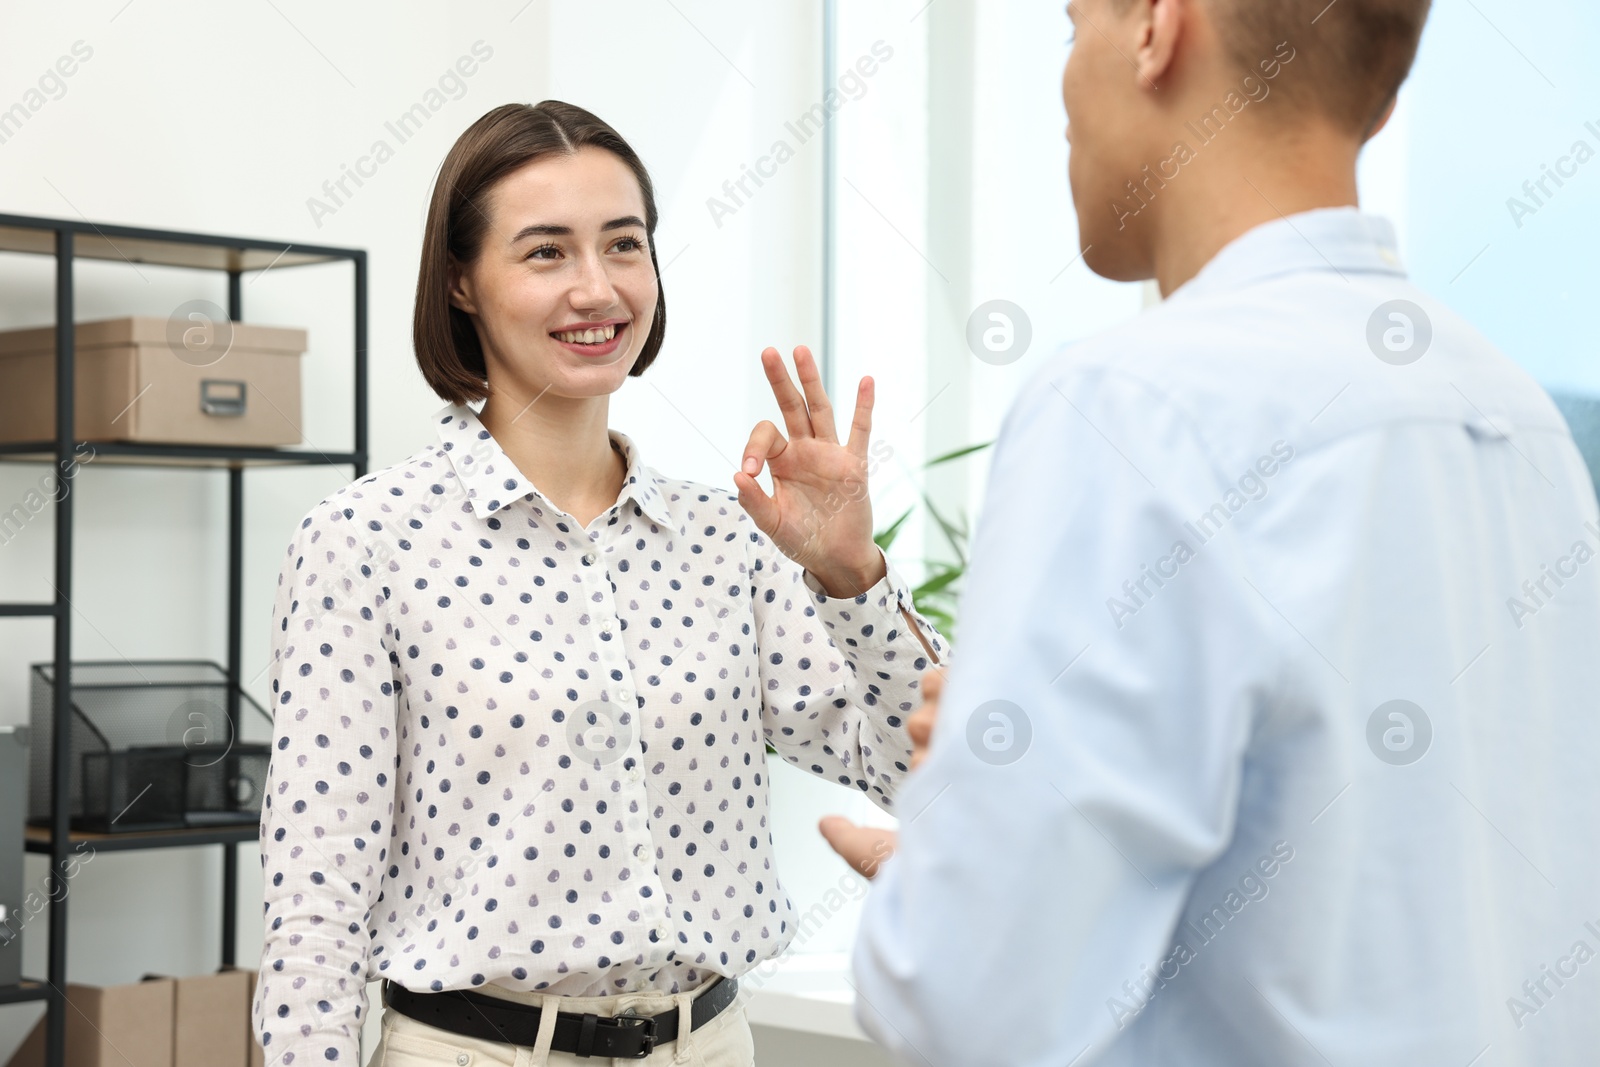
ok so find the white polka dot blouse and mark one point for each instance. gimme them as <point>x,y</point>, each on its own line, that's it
<point>508,748</point>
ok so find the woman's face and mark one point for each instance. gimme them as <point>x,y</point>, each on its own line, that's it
<point>562,292</point>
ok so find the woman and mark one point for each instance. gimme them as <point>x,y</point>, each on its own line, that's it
<point>522,681</point>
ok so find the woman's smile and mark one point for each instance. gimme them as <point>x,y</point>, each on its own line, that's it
<point>593,339</point>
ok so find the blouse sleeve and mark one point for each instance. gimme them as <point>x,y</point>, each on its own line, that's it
<point>325,820</point>
<point>839,675</point>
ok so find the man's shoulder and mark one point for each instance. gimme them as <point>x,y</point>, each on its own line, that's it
<point>1305,359</point>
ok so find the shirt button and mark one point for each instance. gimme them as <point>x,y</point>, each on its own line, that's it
<point>633,774</point>
<point>463,1059</point>
<point>639,851</point>
<point>589,557</point>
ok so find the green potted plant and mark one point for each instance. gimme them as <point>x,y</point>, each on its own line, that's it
<point>937,595</point>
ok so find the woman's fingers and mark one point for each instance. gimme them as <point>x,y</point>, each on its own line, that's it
<point>765,442</point>
<point>761,508</point>
<point>790,402</point>
<point>811,414</point>
<point>822,426</point>
<point>861,424</point>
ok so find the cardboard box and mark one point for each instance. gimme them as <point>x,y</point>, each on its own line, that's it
<point>120,1026</point>
<point>147,379</point>
<point>210,1020</point>
<point>258,1055</point>
<point>157,1022</point>
<point>31,1052</point>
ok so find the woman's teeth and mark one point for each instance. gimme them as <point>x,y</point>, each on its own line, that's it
<point>588,337</point>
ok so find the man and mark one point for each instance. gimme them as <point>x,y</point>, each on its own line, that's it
<point>1271,735</point>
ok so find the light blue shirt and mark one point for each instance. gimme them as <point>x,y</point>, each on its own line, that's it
<point>1270,734</point>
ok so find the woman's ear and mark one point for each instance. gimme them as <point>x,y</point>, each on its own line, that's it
<point>1161,24</point>
<point>461,289</point>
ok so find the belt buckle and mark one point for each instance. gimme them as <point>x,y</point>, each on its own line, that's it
<point>648,1022</point>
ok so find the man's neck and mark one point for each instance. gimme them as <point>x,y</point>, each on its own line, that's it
<point>1224,196</point>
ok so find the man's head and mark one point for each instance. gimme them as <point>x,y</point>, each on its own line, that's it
<point>1221,88</point>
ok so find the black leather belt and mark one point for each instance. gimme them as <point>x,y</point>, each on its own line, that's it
<point>486,1018</point>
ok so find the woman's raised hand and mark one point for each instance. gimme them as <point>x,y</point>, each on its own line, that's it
<point>819,513</point>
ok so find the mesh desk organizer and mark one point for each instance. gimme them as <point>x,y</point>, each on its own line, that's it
<point>152,747</point>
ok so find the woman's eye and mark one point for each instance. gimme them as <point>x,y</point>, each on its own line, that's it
<point>630,244</point>
<point>544,252</point>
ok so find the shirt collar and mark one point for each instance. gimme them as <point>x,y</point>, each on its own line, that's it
<point>492,481</point>
<point>1337,239</point>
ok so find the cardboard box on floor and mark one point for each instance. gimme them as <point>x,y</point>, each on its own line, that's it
<point>31,1052</point>
<point>111,1026</point>
<point>258,1056</point>
<point>155,1022</point>
<point>210,1024</point>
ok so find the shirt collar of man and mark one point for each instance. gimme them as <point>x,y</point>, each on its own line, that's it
<point>492,481</point>
<point>1340,239</point>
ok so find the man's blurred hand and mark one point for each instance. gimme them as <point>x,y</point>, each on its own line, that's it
<point>920,725</point>
<point>864,847</point>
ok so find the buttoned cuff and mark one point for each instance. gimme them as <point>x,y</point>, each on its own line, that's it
<point>869,616</point>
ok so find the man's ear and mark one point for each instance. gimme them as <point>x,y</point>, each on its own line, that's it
<point>1383,119</point>
<point>461,289</point>
<point>1161,24</point>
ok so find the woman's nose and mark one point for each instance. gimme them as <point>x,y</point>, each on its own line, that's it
<point>593,287</point>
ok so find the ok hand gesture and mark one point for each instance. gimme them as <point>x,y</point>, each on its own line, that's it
<point>819,513</point>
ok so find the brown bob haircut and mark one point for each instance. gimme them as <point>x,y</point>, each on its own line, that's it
<point>500,142</point>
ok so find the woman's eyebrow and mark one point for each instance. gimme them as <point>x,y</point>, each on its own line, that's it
<point>541,230</point>
<point>548,230</point>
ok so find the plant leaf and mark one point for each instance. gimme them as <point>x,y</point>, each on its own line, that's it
<point>885,537</point>
<point>937,584</point>
<point>951,534</point>
<point>957,454</point>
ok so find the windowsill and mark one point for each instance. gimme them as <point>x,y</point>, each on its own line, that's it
<point>809,992</point>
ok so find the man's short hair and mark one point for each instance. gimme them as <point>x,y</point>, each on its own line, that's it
<point>1350,59</point>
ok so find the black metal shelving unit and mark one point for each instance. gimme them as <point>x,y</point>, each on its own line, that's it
<point>70,240</point>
